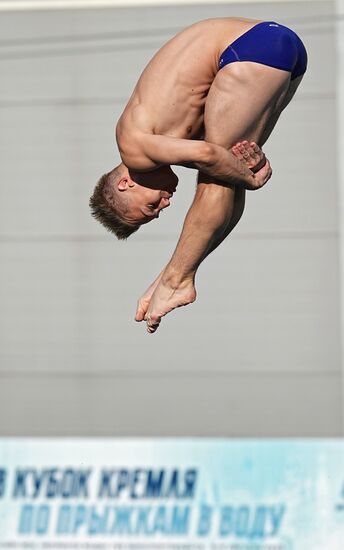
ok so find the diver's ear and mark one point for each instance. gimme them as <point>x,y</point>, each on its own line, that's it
<point>124,183</point>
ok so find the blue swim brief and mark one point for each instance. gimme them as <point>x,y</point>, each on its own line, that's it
<point>271,44</point>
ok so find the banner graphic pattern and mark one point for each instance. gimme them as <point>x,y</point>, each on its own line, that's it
<point>171,494</point>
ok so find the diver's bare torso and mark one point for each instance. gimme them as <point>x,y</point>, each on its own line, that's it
<point>170,95</point>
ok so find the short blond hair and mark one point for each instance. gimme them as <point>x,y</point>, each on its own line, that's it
<point>105,208</point>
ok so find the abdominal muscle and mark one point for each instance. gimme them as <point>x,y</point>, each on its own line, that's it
<point>170,96</point>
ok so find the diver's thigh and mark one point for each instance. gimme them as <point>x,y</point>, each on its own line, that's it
<point>242,99</point>
<point>293,86</point>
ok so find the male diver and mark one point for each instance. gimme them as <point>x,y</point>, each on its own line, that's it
<point>205,100</point>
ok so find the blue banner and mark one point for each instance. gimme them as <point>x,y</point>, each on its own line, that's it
<point>176,494</point>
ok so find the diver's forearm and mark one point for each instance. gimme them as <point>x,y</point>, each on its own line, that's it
<point>225,167</point>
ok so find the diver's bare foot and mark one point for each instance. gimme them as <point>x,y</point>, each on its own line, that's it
<point>250,153</point>
<point>143,302</point>
<point>166,298</point>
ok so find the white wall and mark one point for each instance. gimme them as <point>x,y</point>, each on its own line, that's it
<point>20,5</point>
<point>340,134</point>
<point>259,352</point>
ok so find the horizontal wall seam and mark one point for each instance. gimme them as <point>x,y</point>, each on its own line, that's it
<point>81,102</point>
<point>5,239</point>
<point>148,32</point>
<point>168,374</point>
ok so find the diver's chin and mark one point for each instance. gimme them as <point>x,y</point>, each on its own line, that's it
<point>172,188</point>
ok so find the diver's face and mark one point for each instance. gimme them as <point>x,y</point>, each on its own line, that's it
<point>150,194</point>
